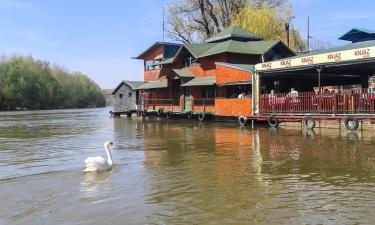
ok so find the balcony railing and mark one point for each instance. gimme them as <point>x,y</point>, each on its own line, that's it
<point>193,104</point>
<point>345,101</point>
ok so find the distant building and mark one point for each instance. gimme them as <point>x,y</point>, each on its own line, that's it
<point>108,97</point>
<point>125,97</point>
<point>358,35</point>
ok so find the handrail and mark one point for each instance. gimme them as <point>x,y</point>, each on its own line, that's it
<point>328,102</point>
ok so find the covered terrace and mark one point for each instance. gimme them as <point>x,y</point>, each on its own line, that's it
<point>333,81</point>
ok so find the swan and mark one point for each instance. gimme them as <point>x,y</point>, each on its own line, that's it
<point>98,163</point>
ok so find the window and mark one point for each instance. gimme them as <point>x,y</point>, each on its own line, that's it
<point>121,96</point>
<point>129,94</point>
<point>152,65</point>
<point>190,62</point>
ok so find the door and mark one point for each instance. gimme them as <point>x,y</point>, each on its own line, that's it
<point>187,100</point>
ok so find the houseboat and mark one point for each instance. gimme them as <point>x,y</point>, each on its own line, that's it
<point>125,97</point>
<point>332,84</point>
<point>212,79</point>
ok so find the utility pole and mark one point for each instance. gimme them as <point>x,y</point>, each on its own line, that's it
<point>308,33</point>
<point>287,26</point>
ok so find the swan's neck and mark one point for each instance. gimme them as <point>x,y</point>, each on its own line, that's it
<point>109,155</point>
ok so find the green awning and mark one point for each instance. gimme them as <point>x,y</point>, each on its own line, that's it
<point>201,81</point>
<point>166,61</point>
<point>154,85</point>
<point>234,83</point>
<point>183,73</point>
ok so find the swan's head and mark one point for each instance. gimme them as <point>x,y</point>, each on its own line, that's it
<point>108,143</point>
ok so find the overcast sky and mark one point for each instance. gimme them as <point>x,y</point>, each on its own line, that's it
<point>99,37</point>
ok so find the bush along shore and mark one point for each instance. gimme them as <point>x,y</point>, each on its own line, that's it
<point>27,83</point>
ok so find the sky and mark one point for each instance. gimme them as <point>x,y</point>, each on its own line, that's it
<point>98,38</point>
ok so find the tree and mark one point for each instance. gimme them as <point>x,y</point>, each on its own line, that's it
<point>195,20</point>
<point>34,84</point>
<point>270,24</point>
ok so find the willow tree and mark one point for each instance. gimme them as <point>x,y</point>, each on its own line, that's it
<point>195,20</point>
<point>269,23</point>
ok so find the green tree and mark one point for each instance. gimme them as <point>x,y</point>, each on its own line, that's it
<point>270,24</point>
<point>34,84</point>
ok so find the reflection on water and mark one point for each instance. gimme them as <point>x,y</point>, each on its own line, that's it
<point>171,172</point>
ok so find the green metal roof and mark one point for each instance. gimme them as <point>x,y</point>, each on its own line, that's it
<point>183,73</point>
<point>234,83</point>
<point>234,33</point>
<point>165,61</point>
<point>201,81</point>
<point>169,49</point>
<point>249,48</point>
<point>153,85</point>
<point>244,67</point>
<point>132,84</point>
<point>197,49</point>
<point>358,34</point>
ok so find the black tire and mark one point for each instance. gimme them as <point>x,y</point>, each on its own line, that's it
<point>351,123</point>
<point>159,112</point>
<point>273,121</point>
<point>201,116</point>
<point>190,115</point>
<point>242,120</point>
<point>168,114</point>
<point>139,113</point>
<point>309,122</point>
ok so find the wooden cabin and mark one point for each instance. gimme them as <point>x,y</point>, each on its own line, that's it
<point>212,77</point>
<point>125,97</point>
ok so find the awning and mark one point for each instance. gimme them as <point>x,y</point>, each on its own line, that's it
<point>201,81</point>
<point>344,55</point>
<point>154,85</point>
<point>234,83</point>
<point>183,73</point>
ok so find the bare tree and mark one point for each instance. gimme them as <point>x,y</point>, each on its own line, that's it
<point>195,20</point>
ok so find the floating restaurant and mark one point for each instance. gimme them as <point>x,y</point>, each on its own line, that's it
<point>238,75</point>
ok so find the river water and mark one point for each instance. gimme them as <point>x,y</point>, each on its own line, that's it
<point>173,172</point>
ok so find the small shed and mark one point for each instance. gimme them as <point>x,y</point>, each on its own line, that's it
<point>125,97</point>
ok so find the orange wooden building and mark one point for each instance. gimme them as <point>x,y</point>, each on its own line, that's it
<point>212,78</point>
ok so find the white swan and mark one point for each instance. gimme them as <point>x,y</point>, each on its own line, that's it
<point>98,163</point>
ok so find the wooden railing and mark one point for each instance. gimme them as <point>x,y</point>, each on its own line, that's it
<point>345,101</point>
<point>196,104</point>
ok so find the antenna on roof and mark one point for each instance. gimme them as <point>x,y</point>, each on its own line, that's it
<point>308,34</point>
<point>163,24</point>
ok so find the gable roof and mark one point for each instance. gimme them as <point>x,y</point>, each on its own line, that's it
<point>153,85</point>
<point>132,84</point>
<point>170,49</point>
<point>358,35</point>
<point>207,49</point>
<point>233,33</point>
<point>249,48</point>
<point>182,73</point>
<point>201,81</point>
<point>243,67</point>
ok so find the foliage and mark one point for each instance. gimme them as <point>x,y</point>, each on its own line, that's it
<point>195,20</point>
<point>270,24</point>
<point>35,84</point>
